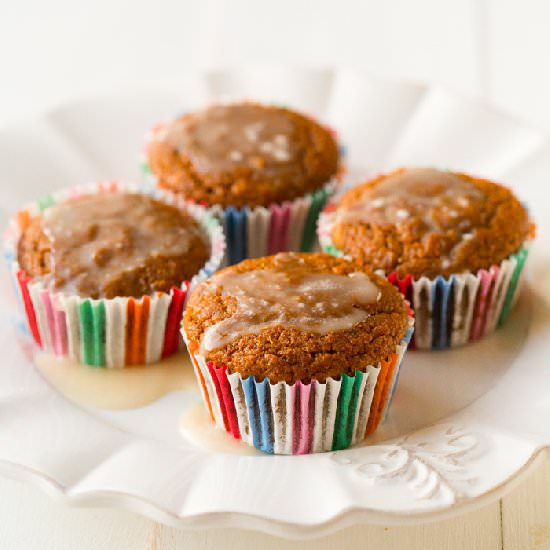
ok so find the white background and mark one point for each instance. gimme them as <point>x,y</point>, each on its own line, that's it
<point>53,50</point>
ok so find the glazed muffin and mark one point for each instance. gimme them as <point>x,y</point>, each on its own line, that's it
<point>109,245</point>
<point>103,271</point>
<point>455,244</point>
<point>267,170</point>
<point>307,333</point>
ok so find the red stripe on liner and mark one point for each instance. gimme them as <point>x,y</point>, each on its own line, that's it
<point>405,286</point>
<point>173,320</point>
<point>213,375</point>
<point>227,396</point>
<point>29,308</point>
<point>128,347</point>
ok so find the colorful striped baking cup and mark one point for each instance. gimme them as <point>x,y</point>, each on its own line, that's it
<point>451,311</point>
<point>300,418</point>
<point>264,230</point>
<point>117,332</point>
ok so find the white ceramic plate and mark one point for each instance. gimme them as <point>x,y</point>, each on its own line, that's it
<point>464,423</point>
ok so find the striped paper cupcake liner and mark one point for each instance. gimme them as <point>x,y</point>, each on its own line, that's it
<point>281,418</point>
<point>263,231</point>
<point>116,332</point>
<point>451,311</point>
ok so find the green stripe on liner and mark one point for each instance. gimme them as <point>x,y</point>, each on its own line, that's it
<point>99,332</point>
<point>85,317</point>
<point>211,222</point>
<point>145,169</point>
<point>318,200</point>
<point>354,402</point>
<point>92,332</point>
<point>45,202</point>
<point>333,251</point>
<point>340,438</point>
<point>520,257</point>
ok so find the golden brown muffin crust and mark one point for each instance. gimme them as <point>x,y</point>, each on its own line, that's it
<point>110,245</point>
<point>426,222</point>
<point>243,154</point>
<point>288,353</point>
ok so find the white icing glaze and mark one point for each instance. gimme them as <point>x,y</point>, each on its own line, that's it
<point>197,427</point>
<point>115,389</point>
<point>99,236</point>
<point>284,296</point>
<point>222,137</point>
<point>235,156</point>
<point>435,197</point>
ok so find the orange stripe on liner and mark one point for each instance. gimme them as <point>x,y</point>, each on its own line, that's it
<point>128,358</point>
<point>204,390</point>
<point>23,219</point>
<point>381,393</point>
<point>139,345</point>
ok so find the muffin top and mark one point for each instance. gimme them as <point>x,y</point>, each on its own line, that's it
<point>427,222</point>
<point>113,244</point>
<point>243,154</point>
<point>294,317</point>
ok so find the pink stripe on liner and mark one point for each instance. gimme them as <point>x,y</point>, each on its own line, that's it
<point>50,319</point>
<point>227,397</point>
<point>74,193</point>
<point>494,271</point>
<point>286,211</point>
<point>60,321</point>
<point>278,228</point>
<point>57,325</point>
<point>478,320</point>
<point>295,426</point>
<point>304,438</point>
<point>299,394</point>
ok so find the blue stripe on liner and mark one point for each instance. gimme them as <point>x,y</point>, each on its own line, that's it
<point>249,388</point>
<point>405,342</point>
<point>266,424</point>
<point>23,328</point>
<point>235,222</point>
<point>440,304</point>
<point>450,310</point>
<point>9,258</point>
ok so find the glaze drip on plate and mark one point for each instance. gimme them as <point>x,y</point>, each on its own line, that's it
<point>286,296</point>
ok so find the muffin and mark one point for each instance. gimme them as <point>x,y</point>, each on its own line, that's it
<point>267,171</point>
<point>453,243</point>
<point>297,353</point>
<point>103,271</point>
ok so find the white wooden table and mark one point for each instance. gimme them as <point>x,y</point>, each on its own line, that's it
<point>51,51</point>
